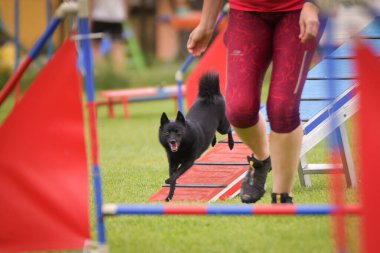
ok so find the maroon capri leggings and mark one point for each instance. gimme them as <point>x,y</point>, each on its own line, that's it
<point>253,40</point>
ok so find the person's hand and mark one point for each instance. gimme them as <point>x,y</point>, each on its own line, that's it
<point>198,40</point>
<point>309,22</point>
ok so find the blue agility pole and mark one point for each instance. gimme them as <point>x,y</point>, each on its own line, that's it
<point>17,33</point>
<point>50,46</point>
<point>17,44</point>
<point>231,209</point>
<point>189,60</point>
<point>90,91</point>
<point>65,8</point>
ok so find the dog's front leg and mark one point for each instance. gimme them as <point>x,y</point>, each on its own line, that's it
<point>184,167</point>
<point>172,167</point>
<point>173,179</point>
<point>171,192</point>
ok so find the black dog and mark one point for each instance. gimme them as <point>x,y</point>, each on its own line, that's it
<point>186,139</point>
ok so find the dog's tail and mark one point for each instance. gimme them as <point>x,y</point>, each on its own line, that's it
<point>209,87</point>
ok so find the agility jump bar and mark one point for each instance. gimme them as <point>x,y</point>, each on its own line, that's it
<point>231,209</point>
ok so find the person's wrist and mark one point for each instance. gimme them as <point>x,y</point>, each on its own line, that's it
<point>205,28</point>
<point>313,2</point>
<point>312,7</point>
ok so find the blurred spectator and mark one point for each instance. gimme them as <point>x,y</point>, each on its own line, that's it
<point>7,55</point>
<point>108,17</point>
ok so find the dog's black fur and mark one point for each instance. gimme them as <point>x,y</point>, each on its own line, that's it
<point>185,139</point>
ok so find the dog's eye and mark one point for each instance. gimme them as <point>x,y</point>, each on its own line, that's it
<point>166,133</point>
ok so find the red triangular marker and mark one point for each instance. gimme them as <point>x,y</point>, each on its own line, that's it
<point>215,60</point>
<point>44,191</point>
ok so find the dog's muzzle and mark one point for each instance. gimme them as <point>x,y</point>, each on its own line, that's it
<point>173,146</point>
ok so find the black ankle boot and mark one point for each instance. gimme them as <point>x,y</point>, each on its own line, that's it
<point>253,186</point>
<point>281,198</point>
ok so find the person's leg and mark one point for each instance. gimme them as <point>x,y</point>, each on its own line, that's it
<point>255,138</point>
<point>249,45</point>
<point>118,46</point>
<point>291,61</point>
<point>248,41</point>
<point>97,54</point>
<point>118,54</point>
<point>97,27</point>
<point>285,150</point>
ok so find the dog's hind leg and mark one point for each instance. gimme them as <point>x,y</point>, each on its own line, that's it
<point>231,142</point>
<point>225,128</point>
<point>213,141</point>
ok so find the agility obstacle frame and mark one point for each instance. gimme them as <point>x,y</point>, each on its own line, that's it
<point>102,210</point>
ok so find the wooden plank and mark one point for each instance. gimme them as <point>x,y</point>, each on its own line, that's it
<point>308,109</point>
<point>344,69</point>
<point>319,89</point>
<point>212,174</point>
<point>186,194</point>
<point>373,29</point>
<point>142,93</point>
<point>222,153</point>
<point>347,49</point>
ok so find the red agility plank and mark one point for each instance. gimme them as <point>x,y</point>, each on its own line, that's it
<point>44,181</point>
<point>222,153</point>
<point>186,194</point>
<point>231,190</point>
<point>211,174</point>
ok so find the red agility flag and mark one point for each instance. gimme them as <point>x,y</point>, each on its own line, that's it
<point>215,59</point>
<point>44,193</point>
<point>369,141</point>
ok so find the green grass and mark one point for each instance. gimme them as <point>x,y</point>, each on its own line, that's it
<point>134,166</point>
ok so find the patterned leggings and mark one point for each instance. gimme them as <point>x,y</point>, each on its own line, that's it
<point>253,40</point>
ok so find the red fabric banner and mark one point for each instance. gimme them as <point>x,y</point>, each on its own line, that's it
<point>44,191</point>
<point>214,59</point>
<point>369,141</point>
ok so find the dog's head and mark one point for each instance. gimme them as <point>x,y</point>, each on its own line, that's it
<point>171,133</point>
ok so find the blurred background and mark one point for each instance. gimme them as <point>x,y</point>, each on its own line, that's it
<point>154,35</point>
<point>154,40</point>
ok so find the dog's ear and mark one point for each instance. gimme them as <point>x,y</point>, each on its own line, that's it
<point>180,118</point>
<point>164,119</point>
